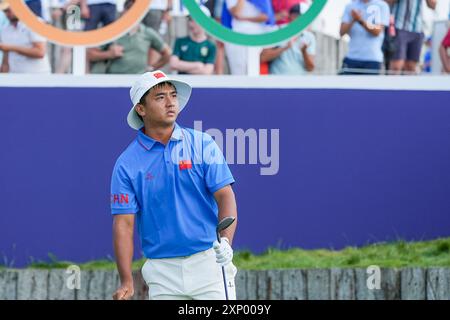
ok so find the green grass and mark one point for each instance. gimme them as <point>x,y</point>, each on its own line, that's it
<point>435,253</point>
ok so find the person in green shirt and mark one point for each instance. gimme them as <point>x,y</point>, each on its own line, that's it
<point>130,54</point>
<point>194,54</point>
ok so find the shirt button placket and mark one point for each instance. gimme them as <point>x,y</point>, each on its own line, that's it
<point>168,160</point>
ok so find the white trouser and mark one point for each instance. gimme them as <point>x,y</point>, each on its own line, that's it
<point>237,58</point>
<point>196,277</point>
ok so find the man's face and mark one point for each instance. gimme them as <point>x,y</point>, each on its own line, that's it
<point>161,106</point>
<point>194,28</point>
<point>10,15</point>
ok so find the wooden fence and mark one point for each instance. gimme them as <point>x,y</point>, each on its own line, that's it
<point>311,284</point>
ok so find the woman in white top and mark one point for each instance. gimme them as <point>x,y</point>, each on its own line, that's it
<point>246,18</point>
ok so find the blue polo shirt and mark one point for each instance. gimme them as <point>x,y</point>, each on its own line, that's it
<point>170,189</point>
<point>363,46</point>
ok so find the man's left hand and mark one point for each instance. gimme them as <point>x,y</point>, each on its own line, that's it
<point>224,252</point>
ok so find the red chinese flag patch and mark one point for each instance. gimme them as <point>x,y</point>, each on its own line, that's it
<point>159,75</point>
<point>185,164</point>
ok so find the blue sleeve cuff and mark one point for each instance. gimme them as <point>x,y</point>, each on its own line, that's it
<point>224,183</point>
<point>123,211</point>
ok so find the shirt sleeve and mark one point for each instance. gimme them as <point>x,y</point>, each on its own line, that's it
<point>211,58</point>
<point>217,174</point>
<point>34,37</point>
<point>177,49</point>
<point>156,42</point>
<point>123,197</point>
<point>347,17</point>
<point>385,14</point>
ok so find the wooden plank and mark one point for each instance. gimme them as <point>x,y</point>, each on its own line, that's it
<point>342,284</point>
<point>413,284</point>
<point>112,283</point>
<point>8,284</point>
<point>438,284</point>
<point>390,284</point>
<point>241,285</point>
<point>57,286</point>
<point>294,285</point>
<point>274,284</point>
<point>83,292</point>
<point>97,285</point>
<point>318,284</point>
<point>251,285</point>
<point>362,291</point>
<point>262,285</point>
<point>32,284</point>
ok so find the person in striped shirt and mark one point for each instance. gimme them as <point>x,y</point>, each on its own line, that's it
<point>409,31</point>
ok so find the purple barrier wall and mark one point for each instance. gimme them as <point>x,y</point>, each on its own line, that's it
<point>355,167</point>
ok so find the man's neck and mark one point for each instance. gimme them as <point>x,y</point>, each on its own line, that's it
<point>161,134</point>
<point>198,37</point>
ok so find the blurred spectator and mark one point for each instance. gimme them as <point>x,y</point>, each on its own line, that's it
<point>35,6</point>
<point>245,16</point>
<point>3,21</point>
<point>281,10</point>
<point>216,8</point>
<point>194,54</point>
<point>130,53</point>
<point>158,17</point>
<point>409,39</point>
<point>98,11</point>
<point>23,50</point>
<point>388,46</point>
<point>364,21</point>
<point>297,56</point>
<point>444,52</point>
<point>427,57</point>
<point>59,13</point>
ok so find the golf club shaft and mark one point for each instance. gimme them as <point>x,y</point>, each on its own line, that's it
<point>223,272</point>
<point>225,283</point>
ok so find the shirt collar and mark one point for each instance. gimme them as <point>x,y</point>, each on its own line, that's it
<point>147,143</point>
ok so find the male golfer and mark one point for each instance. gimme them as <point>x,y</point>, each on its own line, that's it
<point>175,182</point>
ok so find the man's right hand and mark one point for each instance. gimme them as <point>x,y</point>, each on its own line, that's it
<point>125,292</point>
<point>115,51</point>
<point>85,11</point>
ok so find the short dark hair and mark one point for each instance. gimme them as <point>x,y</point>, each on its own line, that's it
<point>128,4</point>
<point>157,86</point>
<point>295,9</point>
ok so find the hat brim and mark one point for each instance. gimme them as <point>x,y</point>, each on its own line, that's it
<point>183,94</point>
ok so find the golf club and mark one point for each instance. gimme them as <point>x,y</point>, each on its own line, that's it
<point>223,224</point>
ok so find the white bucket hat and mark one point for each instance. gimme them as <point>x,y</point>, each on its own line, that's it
<point>147,81</point>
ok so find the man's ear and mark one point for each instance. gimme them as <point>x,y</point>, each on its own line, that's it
<point>139,108</point>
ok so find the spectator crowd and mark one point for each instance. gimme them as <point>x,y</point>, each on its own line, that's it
<point>384,36</point>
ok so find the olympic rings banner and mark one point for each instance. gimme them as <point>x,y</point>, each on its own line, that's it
<point>139,9</point>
